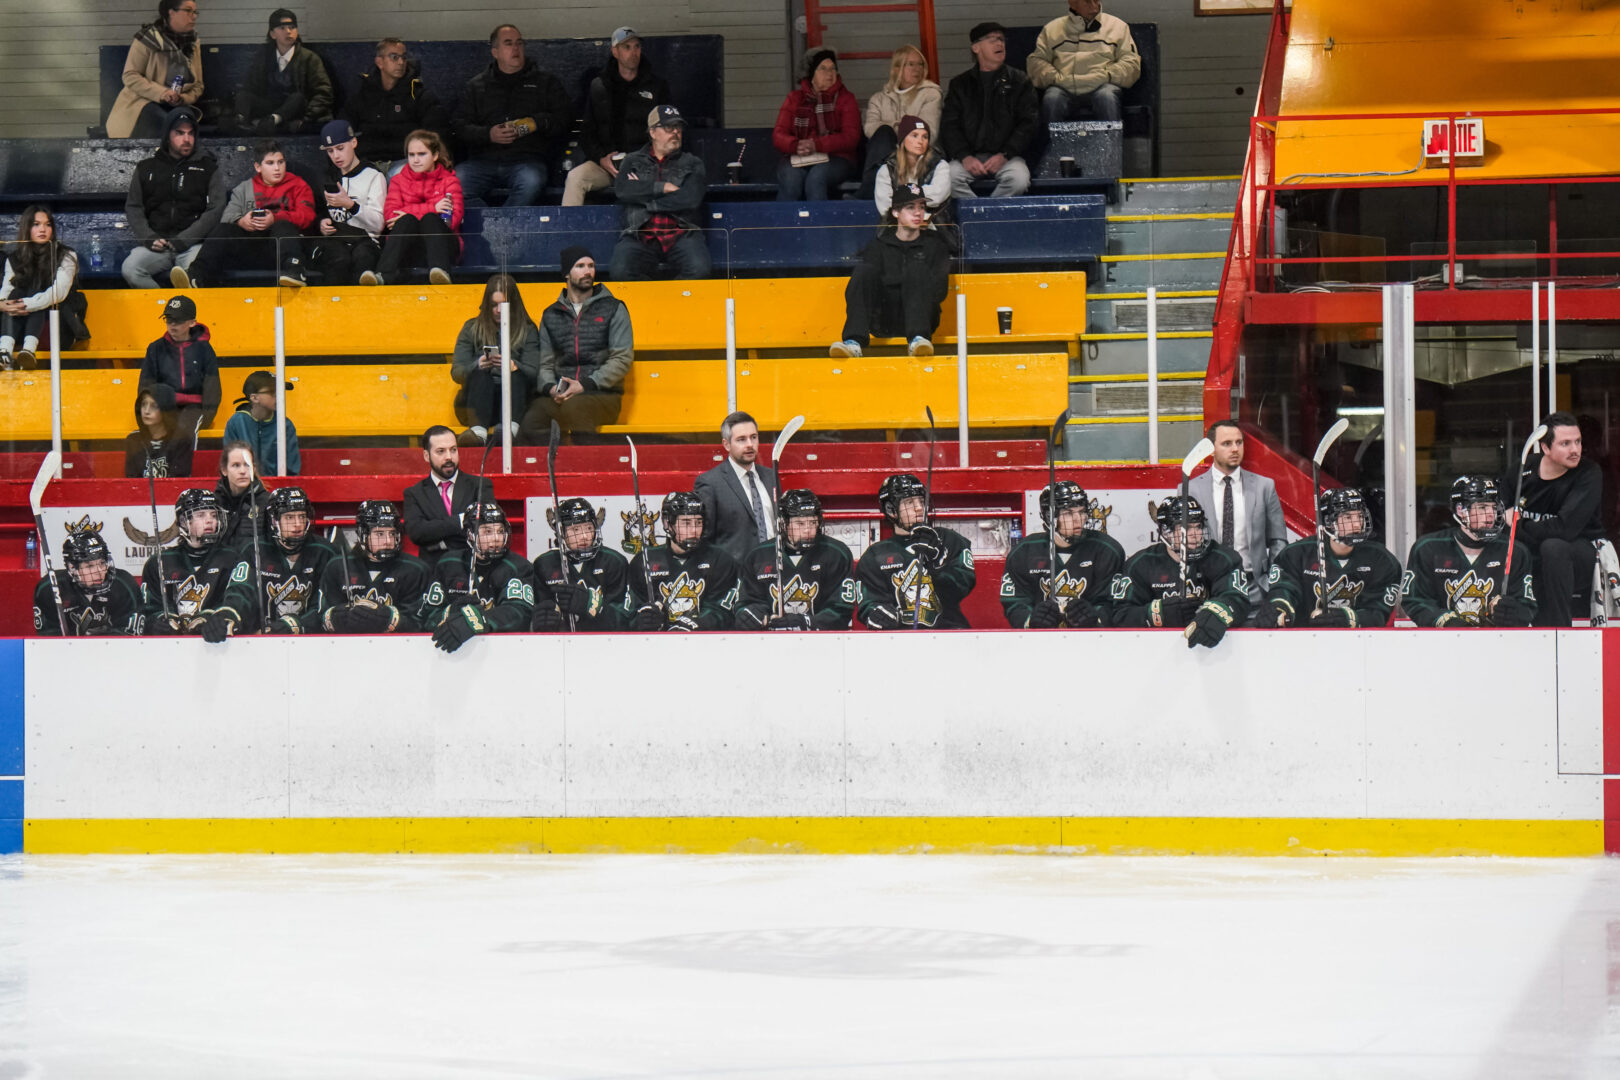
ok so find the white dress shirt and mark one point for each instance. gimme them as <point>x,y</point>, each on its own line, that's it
<point>764,495</point>
<point>1240,529</point>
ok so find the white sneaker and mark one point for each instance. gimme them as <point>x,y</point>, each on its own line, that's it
<point>371,277</point>
<point>846,349</point>
<point>437,276</point>
<point>920,346</point>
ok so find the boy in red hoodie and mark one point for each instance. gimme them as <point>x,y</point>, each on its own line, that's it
<point>264,222</point>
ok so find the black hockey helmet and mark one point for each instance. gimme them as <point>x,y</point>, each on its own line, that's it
<point>1180,510</point>
<point>577,511</point>
<point>679,504</point>
<point>372,515</point>
<point>191,502</point>
<point>82,547</point>
<point>478,515</point>
<point>1069,495</point>
<point>898,488</point>
<point>289,500</point>
<point>1468,492</point>
<point>798,503</point>
<point>1333,504</point>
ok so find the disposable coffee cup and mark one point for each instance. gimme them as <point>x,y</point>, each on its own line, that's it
<point>618,159</point>
<point>733,172</point>
<point>1066,166</point>
<point>1004,319</point>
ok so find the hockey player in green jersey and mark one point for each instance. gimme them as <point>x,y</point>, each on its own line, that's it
<point>1185,580</point>
<point>1087,560</point>
<point>1458,576</point>
<point>1365,579</point>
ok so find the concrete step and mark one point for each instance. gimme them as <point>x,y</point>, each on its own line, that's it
<point>1127,354</point>
<point>1126,395</point>
<point>1194,271</point>
<point>1160,234</point>
<point>1186,193</point>
<point>1127,312</point>
<point>1125,439</point>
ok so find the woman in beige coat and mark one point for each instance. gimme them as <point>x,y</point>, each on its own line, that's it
<point>909,92</point>
<point>162,72</point>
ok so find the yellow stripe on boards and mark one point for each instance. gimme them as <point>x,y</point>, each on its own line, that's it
<point>818,835</point>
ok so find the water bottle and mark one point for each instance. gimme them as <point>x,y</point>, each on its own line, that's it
<point>31,552</point>
<point>177,82</point>
<point>445,214</point>
<point>95,251</point>
<point>1017,532</point>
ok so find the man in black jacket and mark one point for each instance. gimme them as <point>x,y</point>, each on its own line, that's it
<point>433,507</point>
<point>390,104</point>
<point>288,90</point>
<point>1560,515</point>
<point>900,282</point>
<point>586,348</point>
<point>510,115</point>
<point>175,199</point>
<point>614,107</point>
<point>661,188</point>
<point>989,118</point>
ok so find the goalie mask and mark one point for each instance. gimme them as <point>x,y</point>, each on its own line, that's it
<point>290,518</point>
<point>89,562</point>
<point>573,518</point>
<point>1344,516</point>
<point>378,525</point>
<point>200,517</point>
<point>678,505</point>
<point>799,520</point>
<point>895,491</point>
<point>1476,506</point>
<point>485,527</point>
<point>1069,496</point>
<point>1172,514</point>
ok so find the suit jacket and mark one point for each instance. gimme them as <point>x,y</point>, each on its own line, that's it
<point>431,529</point>
<point>727,512</point>
<point>1263,518</point>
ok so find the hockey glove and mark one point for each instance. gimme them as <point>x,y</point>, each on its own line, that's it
<point>1174,611</point>
<point>788,622</point>
<point>648,617</point>
<point>1331,616</point>
<point>362,617</point>
<point>1511,611</point>
<point>883,617</point>
<point>548,621</point>
<point>1045,615</point>
<point>459,627</point>
<point>215,627</point>
<point>926,543</point>
<point>286,625</point>
<point>165,626</point>
<point>684,622</point>
<point>572,599</point>
<point>1081,613</point>
<point>1208,626</point>
<point>1273,615</point>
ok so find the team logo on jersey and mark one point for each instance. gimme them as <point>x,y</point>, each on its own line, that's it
<point>189,597</point>
<point>683,596</point>
<point>1469,596</point>
<point>915,595</point>
<point>1063,587</point>
<point>288,598</point>
<point>634,523</point>
<point>801,596</point>
<point>1342,593</point>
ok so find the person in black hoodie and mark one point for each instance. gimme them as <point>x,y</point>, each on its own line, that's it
<point>614,106</point>
<point>390,104</point>
<point>158,441</point>
<point>900,282</point>
<point>286,98</point>
<point>183,360</point>
<point>175,199</point>
<point>510,115</point>
<point>242,495</point>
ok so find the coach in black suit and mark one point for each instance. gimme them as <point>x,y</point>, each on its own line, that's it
<point>737,509</point>
<point>432,527</point>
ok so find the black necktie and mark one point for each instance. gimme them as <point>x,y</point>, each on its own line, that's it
<point>1227,529</point>
<point>759,509</point>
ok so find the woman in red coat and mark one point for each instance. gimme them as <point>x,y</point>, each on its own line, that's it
<point>422,215</point>
<point>817,131</point>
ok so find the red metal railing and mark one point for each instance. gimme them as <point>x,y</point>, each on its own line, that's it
<point>814,29</point>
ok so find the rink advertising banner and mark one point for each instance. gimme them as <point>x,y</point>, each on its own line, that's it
<point>127,530</point>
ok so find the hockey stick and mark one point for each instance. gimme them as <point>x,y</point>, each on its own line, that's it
<point>788,431</point>
<point>47,470</point>
<point>1518,493</point>
<point>928,515</point>
<point>1051,503</point>
<point>258,559</point>
<point>341,539</point>
<point>556,510</point>
<point>641,518</point>
<point>157,535</point>
<point>1195,457</point>
<point>1339,427</point>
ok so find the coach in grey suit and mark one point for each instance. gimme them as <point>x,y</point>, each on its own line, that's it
<point>738,512</point>
<point>1257,531</point>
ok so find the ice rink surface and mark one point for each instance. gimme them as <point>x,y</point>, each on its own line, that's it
<point>452,967</point>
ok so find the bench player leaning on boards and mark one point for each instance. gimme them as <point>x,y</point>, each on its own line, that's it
<point>694,580</point>
<point>1087,561</point>
<point>1455,577</point>
<point>291,563</point>
<point>97,597</point>
<point>1184,580</point>
<point>817,573</point>
<point>590,596</point>
<point>377,589</point>
<point>1366,577</point>
<point>485,588</point>
<point>919,576</point>
<point>201,585</point>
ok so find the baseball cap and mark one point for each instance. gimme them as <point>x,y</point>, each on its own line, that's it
<point>665,116</point>
<point>985,29</point>
<point>283,17</point>
<point>258,382</point>
<point>336,133</point>
<point>179,309</point>
<point>906,194</point>
<point>623,34</point>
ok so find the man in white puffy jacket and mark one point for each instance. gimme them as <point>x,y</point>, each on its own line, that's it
<point>351,209</point>
<point>1082,63</point>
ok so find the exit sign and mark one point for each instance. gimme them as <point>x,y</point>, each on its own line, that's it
<point>1470,139</point>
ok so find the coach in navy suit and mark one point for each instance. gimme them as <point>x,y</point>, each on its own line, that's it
<point>738,513</point>
<point>1256,530</point>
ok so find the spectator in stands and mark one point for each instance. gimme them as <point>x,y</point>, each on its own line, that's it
<point>909,92</point>
<point>159,445</point>
<point>390,104</point>
<point>989,118</point>
<point>162,72</point>
<point>900,282</point>
<point>422,215</point>
<point>915,162</point>
<point>738,511</point>
<point>817,130</point>
<point>613,111</point>
<point>433,507</point>
<point>287,89</point>
<point>1560,515</point>
<point>242,494</point>
<point>661,187</point>
<point>175,199</point>
<point>476,363</point>
<point>351,212</point>
<point>263,223</point>
<point>1254,527</point>
<point>586,348</point>
<point>510,116</point>
<point>183,360</point>
<point>254,421</point>
<point>40,274</point>
<point>1082,63</point>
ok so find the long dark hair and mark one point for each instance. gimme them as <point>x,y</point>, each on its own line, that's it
<point>489,316</point>
<point>34,265</point>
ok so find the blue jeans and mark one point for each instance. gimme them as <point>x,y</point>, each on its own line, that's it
<point>636,260</point>
<point>817,183</point>
<point>1058,105</point>
<point>523,180</point>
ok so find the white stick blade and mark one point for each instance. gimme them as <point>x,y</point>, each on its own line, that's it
<point>47,472</point>
<point>790,429</point>
<point>1530,443</point>
<point>632,443</point>
<point>1198,453</point>
<point>1340,426</point>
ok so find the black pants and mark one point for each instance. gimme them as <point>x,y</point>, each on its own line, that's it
<point>482,396</point>
<point>878,149</point>
<point>1563,567</point>
<point>34,325</point>
<point>581,414</point>
<point>417,242</point>
<point>251,106</point>
<point>345,255</point>
<point>279,248</point>
<point>874,309</point>
<point>151,122</point>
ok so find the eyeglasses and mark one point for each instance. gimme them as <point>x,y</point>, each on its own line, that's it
<point>186,10</point>
<point>396,56</point>
<point>511,41</point>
